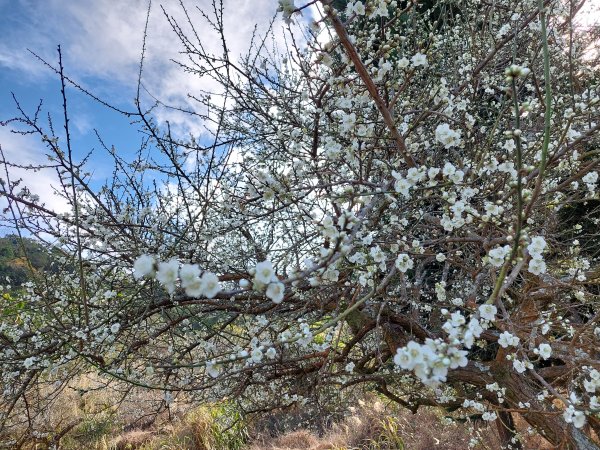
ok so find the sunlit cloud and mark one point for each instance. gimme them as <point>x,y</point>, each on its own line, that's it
<point>28,151</point>
<point>102,42</point>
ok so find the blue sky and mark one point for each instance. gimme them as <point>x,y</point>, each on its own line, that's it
<point>101,42</point>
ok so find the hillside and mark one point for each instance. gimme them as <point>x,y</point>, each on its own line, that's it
<point>14,254</point>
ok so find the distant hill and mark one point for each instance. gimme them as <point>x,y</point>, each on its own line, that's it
<point>14,254</point>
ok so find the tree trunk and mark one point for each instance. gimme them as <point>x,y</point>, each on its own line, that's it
<point>506,431</point>
<point>548,422</point>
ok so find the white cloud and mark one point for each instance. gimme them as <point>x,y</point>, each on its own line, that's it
<point>101,42</point>
<point>21,61</point>
<point>103,39</point>
<point>29,151</point>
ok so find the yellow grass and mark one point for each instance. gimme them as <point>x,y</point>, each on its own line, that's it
<point>91,416</point>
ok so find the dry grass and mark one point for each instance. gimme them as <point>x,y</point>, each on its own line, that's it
<point>99,419</point>
<point>132,439</point>
<point>205,428</point>
<point>373,426</point>
<point>85,414</point>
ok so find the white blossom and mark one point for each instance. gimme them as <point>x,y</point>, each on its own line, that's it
<point>264,272</point>
<point>275,291</point>
<point>519,366</point>
<point>590,177</point>
<point>287,8</point>
<point>446,136</point>
<point>404,262</point>
<point>143,266</point>
<point>544,350</point>
<point>536,246</point>
<point>29,362</point>
<point>419,59</point>
<point>497,255</point>
<point>536,266</point>
<point>256,355</point>
<point>212,369</point>
<point>403,63</point>
<point>377,254</point>
<point>489,416</point>
<point>403,186</point>
<point>210,284</point>
<point>574,416</point>
<point>506,339</point>
<point>488,312</point>
<point>189,274</point>
<point>403,359</point>
<point>167,274</point>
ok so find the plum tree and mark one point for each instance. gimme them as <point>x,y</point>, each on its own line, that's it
<point>385,201</point>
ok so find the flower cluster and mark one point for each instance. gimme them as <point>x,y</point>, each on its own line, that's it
<point>195,282</point>
<point>574,416</point>
<point>430,361</point>
<point>447,137</point>
<point>404,262</point>
<point>591,181</point>
<point>593,384</point>
<point>497,255</point>
<point>536,247</point>
<point>264,275</point>
<point>403,185</point>
<point>506,340</point>
<point>287,7</point>
<point>521,366</point>
<point>355,7</point>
